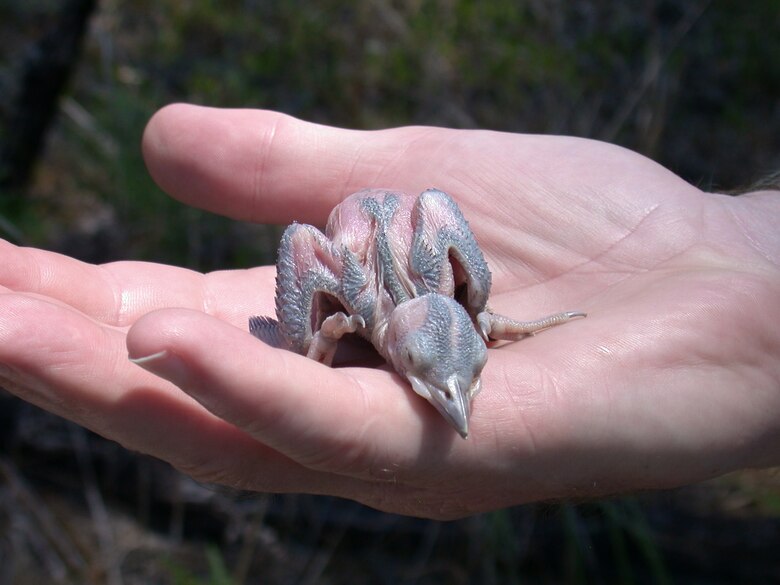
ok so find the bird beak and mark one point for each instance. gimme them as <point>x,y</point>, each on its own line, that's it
<point>453,405</point>
<point>457,408</point>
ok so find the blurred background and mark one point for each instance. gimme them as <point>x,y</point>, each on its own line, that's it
<point>691,84</point>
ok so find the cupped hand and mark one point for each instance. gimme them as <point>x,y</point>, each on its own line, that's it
<point>673,377</point>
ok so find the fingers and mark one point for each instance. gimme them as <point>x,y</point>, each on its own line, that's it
<point>55,358</point>
<point>268,167</point>
<point>323,418</point>
<point>118,293</point>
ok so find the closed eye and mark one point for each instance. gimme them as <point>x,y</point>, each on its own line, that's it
<point>416,359</point>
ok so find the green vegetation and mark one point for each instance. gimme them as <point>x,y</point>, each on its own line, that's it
<point>689,84</point>
<point>217,571</point>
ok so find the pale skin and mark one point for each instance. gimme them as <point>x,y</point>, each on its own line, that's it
<point>674,377</point>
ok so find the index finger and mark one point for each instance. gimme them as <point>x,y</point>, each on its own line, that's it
<point>268,167</point>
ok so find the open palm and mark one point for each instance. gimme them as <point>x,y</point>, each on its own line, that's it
<point>672,378</point>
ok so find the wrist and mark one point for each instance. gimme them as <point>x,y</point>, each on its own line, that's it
<point>758,215</point>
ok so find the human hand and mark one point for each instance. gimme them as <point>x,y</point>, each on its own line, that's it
<point>673,377</point>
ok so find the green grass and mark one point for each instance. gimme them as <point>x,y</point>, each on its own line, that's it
<point>217,573</point>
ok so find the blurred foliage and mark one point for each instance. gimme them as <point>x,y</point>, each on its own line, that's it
<point>692,84</point>
<point>217,571</point>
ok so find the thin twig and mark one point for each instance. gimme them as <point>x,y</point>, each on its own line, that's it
<point>651,73</point>
<point>97,507</point>
<point>38,511</point>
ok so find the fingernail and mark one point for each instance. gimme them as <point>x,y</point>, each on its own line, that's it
<point>149,358</point>
<point>164,364</point>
